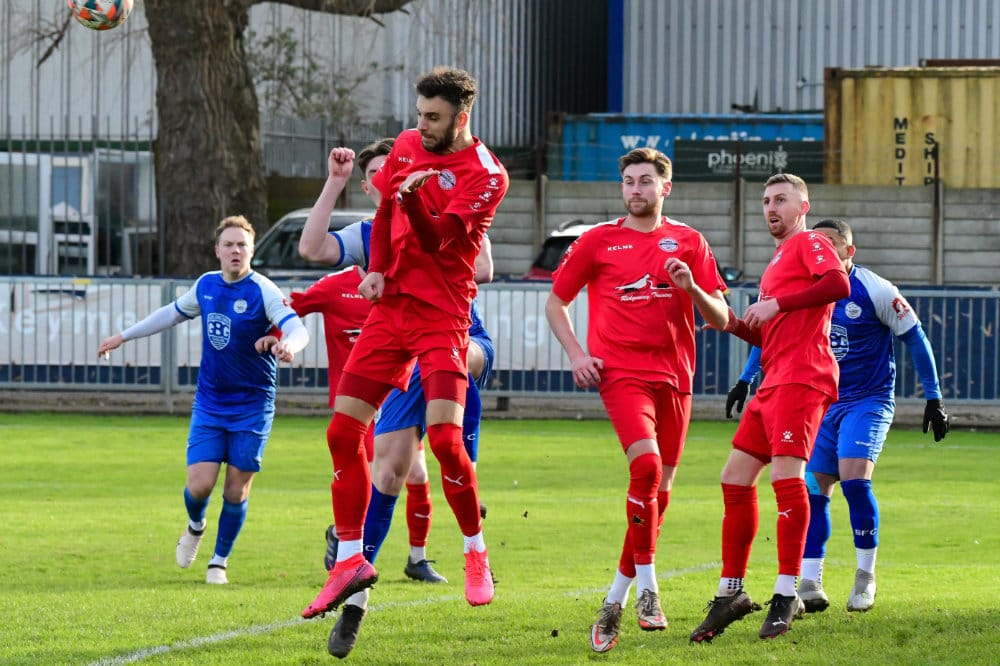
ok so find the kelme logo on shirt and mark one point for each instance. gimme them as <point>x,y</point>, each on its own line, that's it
<point>446,179</point>
<point>218,327</point>
<point>668,245</point>
<point>240,306</point>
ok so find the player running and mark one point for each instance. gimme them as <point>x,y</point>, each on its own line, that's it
<point>234,401</point>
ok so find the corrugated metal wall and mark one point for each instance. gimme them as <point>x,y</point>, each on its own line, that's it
<point>704,56</point>
<point>529,57</point>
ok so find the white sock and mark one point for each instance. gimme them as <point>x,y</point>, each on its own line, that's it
<point>645,578</point>
<point>348,549</point>
<point>359,599</point>
<point>785,585</point>
<point>729,587</point>
<point>418,553</point>
<point>866,559</point>
<point>219,561</point>
<point>812,569</point>
<point>619,588</point>
<point>475,542</point>
<point>197,527</point>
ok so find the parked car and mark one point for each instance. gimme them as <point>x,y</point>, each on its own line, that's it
<point>276,254</point>
<point>553,248</point>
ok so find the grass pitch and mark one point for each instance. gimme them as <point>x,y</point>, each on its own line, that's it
<point>91,508</point>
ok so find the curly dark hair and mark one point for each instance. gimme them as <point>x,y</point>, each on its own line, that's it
<point>456,86</point>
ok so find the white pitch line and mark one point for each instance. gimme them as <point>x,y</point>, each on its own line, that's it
<point>257,630</point>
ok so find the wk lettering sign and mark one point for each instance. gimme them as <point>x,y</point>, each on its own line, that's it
<point>708,161</point>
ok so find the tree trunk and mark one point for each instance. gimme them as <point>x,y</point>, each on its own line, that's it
<point>209,161</point>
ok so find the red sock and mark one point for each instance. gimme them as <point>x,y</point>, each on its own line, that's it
<point>351,487</point>
<point>458,477</point>
<point>662,501</point>
<point>641,507</point>
<point>739,527</point>
<point>626,563</point>
<point>418,512</point>
<point>793,522</point>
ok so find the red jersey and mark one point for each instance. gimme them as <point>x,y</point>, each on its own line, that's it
<point>638,320</point>
<point>796,344</point>
<point>470,186</point>
<point>344,311</point>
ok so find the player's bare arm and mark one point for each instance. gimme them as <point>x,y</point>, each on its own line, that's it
<point>484,262</point>
<point>586,369</point>
<point>316,244</point>
<point>713,307</point>
<point>416,180</point>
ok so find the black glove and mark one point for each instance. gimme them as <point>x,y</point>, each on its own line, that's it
<point>934,415</point>
<point>738,396</point>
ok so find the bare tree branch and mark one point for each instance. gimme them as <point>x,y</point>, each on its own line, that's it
<point>54,37</point>
<point>349,7</point>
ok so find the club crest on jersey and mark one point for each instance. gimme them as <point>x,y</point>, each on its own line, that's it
<point>668,245</point>
<point>240,306</point>
<point>901,308</point>
<point>219,327</point>
<point>446,179</point>
<point>852,310</point>
<point>840,344</point>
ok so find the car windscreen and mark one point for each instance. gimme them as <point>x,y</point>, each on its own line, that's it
<point>280,248</point>
<point>552,252</point>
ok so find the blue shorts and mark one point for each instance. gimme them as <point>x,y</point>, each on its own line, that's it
<point>408,409</point>
<point>237,440</point>
<point>855,429</point>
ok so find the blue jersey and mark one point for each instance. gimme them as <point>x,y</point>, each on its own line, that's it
<point>355,244</point>
<point>861,334</point>
<point>233,377</point>
<point>477,329</point>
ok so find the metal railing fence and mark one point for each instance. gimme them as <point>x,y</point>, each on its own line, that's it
<point>50,329</point>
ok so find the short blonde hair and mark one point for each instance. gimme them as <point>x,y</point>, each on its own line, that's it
<point>237,221</point>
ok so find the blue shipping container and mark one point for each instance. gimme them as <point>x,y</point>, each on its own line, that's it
<point>588,146</point>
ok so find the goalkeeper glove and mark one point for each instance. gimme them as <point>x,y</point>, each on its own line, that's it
<point>937,418</point>
<point>738,396</point>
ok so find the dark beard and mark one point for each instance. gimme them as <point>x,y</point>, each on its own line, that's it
<point>450,136</point>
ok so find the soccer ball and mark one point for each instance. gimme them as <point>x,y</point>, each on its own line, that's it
<point>100,14</point>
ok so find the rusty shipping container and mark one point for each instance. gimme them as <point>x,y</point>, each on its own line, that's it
<point>882,126</point>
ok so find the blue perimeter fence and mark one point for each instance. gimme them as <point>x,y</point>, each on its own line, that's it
<point>51,329</point>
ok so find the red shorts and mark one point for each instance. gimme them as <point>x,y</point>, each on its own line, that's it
<point>401,330</point>
<point>781,421</point>
<point>644,409</point>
